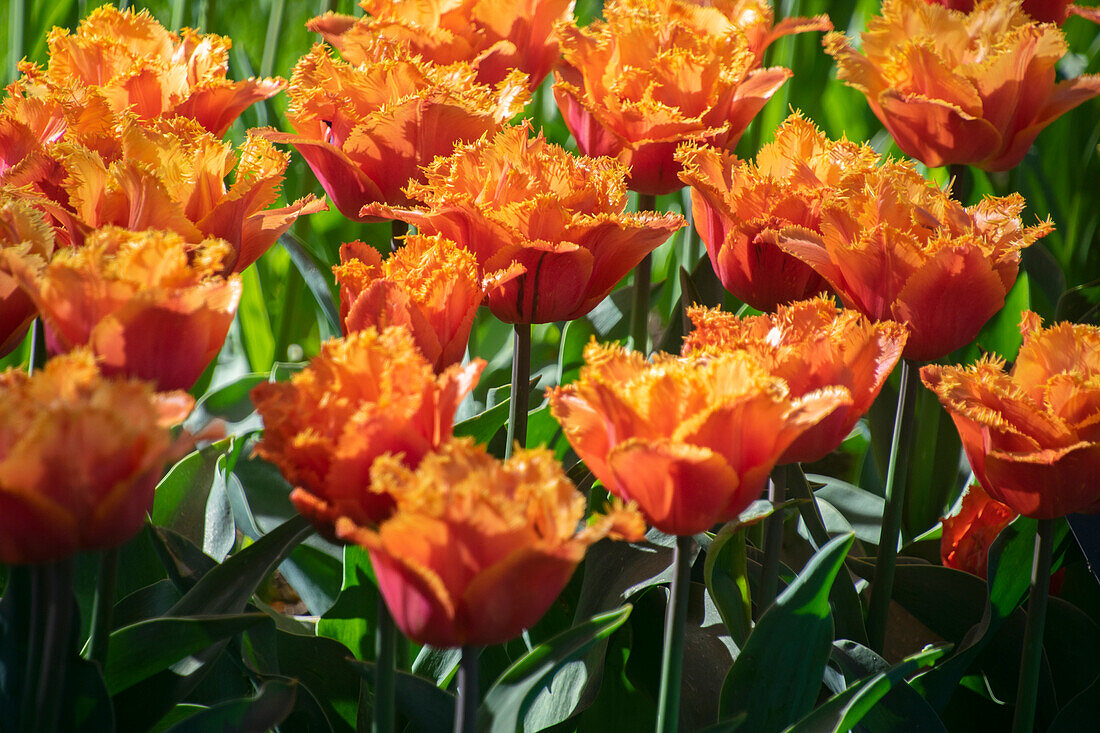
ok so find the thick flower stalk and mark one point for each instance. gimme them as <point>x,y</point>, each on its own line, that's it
<point>367,129</point>
<point>734,201</point>
<point>368,394</point>
<point>23,229</point>
<point>896,247</point>
<point>513,199</point>
<point>477,549</point>
<point>148,304</point>
<point>969,532</point>
<point>690,440</point>
<point>129,62</point>
<point>79,457</point>
<point>954,88</point>
<point>1031,435</point>
<point>431,286</point>
<point>812,345</point>
<point>660,72</point>
<point>494,36</point>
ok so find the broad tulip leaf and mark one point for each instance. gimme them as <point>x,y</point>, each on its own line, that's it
<point>1080,713</point>
<point>317,281</point>
<point>426,706</point>
<point>777,677</point>
<point>506,703</point>
<point>574,338</point>
<point>270,706</point>
<point>861,508</point>
<point>844,710</point>
<point>483,426</point>
<point>191,499</point>
<point>352,619</point>
<point>727,581</point>
<point>257,336</point>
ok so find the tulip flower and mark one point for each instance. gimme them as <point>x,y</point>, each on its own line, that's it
<point>1044,11</point>
<point>657,73</point>
<point>169,174</point>
<point>690,440</point>
<point>493,36</point>
<point>366,130</point>
<point>514,199</point>
<point>430,285</point>
<point>812,345</point>
<point>79,457</point>
<point>734,202</point>
<point>148,304</point>
<point>895,247</point>
<point>370,393</point>
<point>1031,434</point>
<point>478,549</point>
<point>967,534</point>
<point>961,89</point>
<point>128,62</point>
<point>22,229</point>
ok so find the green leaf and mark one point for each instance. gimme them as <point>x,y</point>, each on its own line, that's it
<point>426,706</point>
<point>191,499</point>
<point>140,650</point>
<point>843,711</point>
<point>270,705</point>
<point>727,581</point>
<point>574,338</point>
<point>862,509</point>
<point>256,333</point>
<point>227,587</point>
<point>777,676</point>
<point>506,703</point>
<point>352,619</point>
<point>1080,713</point>
<point>482,427</point>
<point>317,281</point>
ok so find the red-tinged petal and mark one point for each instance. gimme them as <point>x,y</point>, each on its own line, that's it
<point>492,612</point>
<point>947,301</point>
<point>1046,484</point>
<point>383,304</point>
<point>682,489</point>
<point>34,529</point>
<point>217,106</point>
<point>935,132</point>
<point>593,139</point>
<point>346,185</point>
<point>750,97</point>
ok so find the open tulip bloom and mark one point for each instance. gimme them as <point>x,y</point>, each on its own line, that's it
<point>660,72</point>
<point>514,199</point>
<point>955,88</point>
<point>494,36</point>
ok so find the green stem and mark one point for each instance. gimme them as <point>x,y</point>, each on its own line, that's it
<point>468,692</point>
<point>385,649</point>
<point>883,583</point>
<point>672,653</point>
<point>773,538</point>
<point>398,229</point>
<point>49,643</point>
<point>521,392</point>
<point>643,276</point>
<point>38,354</point>
<point>103,610</point>
<point>1027,692</point>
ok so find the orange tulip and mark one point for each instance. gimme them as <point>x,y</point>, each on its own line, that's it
<point>430,285</point>
<point>734,202</point>
<point>812,345</point>
<point>690,440</point>
<point>953,88</point>
<point>493,36</point>
<point>366,130</point>
<point>370,393</point>
<point>967,534</point>
<point>79,457</point>
<point>148,304</point>
<point>511,199</point>
<point>477,550</point>
<point>22,229</point>
<point>1032,435</point>
<point>660,72</point>
<point>133,64</point>
<point>169,174</point>
<point>895,247</point>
